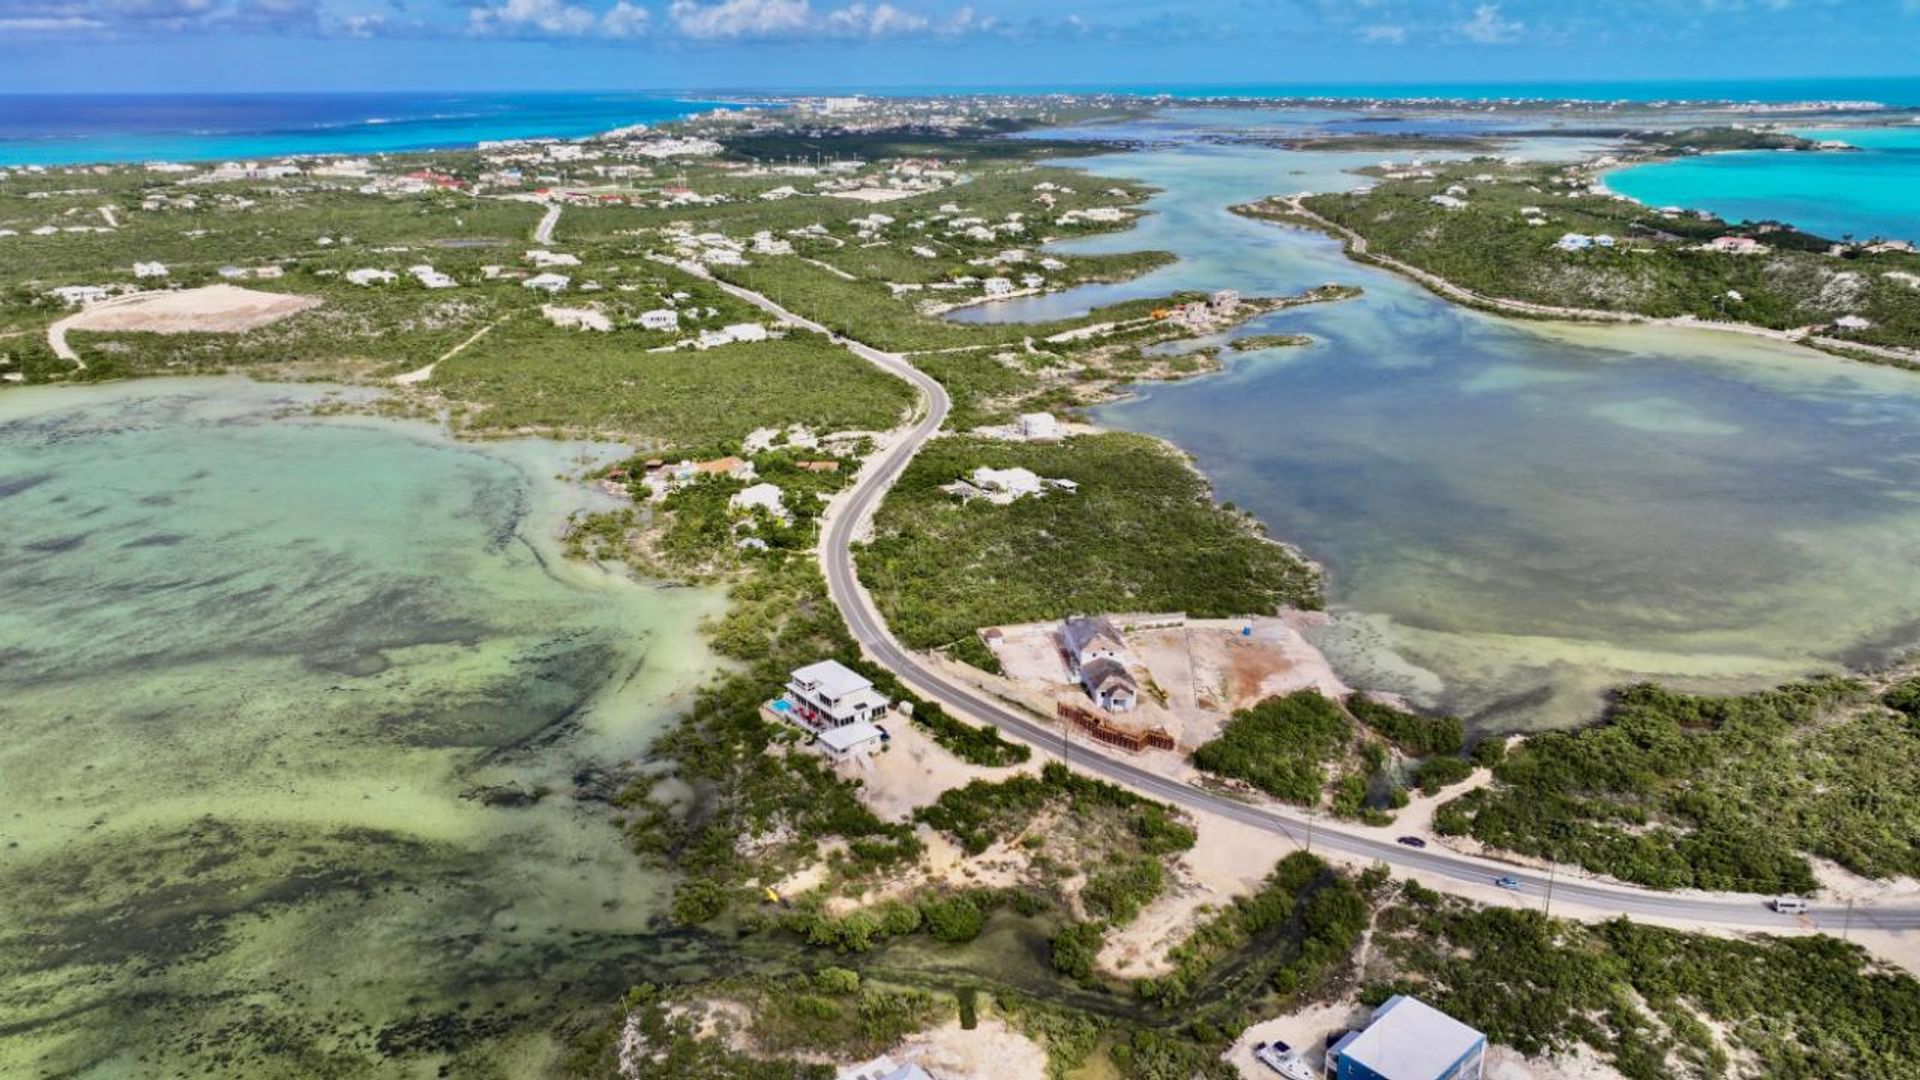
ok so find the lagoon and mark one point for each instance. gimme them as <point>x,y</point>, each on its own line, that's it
<point>309,732</point>
<point>1514,515</point>
<point>1870,192</point>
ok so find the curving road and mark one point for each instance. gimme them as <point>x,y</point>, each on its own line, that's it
<point>849,514</point>
<point>543,230</point>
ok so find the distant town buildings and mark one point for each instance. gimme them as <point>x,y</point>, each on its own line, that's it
<point>1574,241</point>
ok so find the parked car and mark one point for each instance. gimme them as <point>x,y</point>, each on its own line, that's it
<point>1411,841</point>
<point>1280,1057</point>
<point>1508,883</point>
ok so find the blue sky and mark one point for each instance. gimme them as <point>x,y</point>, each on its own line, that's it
<point>119,45</point>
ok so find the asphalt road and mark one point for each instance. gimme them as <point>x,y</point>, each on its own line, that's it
<point>844,522</point>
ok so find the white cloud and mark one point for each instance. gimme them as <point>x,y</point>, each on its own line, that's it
<point>879,21</point>
<point>624,20</point>
<point>1488,28</point>
<point>740,18</point>
<point>744,20</point>
<point>555,18</point>
<point>1384,35</point>
<point>49,24</point>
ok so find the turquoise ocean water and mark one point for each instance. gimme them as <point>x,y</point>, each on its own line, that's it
<point>1869,192</point>
<point>68,129</point>
<point>65,129</point>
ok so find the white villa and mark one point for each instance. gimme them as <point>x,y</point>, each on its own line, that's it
<point>1039,426</point>
<point>1008,483</point>
<point>149,269</point>
<point>431,278</point>
<point>759,497</point>
<point>552,283</point>
<point>660,319</point>
<point>829,694</point>
<point>81,295</point>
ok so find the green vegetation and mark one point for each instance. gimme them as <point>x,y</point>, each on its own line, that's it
<point>1281,746</point>
<point>971,650</point>
<point>1653,1003</point>
<point>1657,266</point>
<point>1716,139</point>
<point>953,918</point>
<point>1904,698</point>
<point>939,569</point>
<point>973,744</point>
<point>677,1052</point>
<point>1413,733</point>
<point>1243,921</point>
<point>1678,791</point>
<point>984,812</point>
<point>524,376</point>
<point>1118,892</point>
<point>724,751</point>
<point>1074,948</point>
<point>1253,342</point>
<point>788,1015</point>
<point>1441,772</point>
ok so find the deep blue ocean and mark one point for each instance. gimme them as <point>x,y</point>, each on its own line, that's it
<point>75,128</point>
<point>65,129</point>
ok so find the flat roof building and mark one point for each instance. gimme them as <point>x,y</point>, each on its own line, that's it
<point>1407,1039</point>
<point>831,694</point>
<point>848,741</point>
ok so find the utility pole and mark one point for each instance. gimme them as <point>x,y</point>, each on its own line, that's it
<point>1313,812</point>
<point>1846,928</point>
<point>1553,865</point>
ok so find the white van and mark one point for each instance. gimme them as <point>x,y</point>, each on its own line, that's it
<point>1790,905</point>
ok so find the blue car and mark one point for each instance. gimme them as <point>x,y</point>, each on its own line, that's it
<point>1507,883</point>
